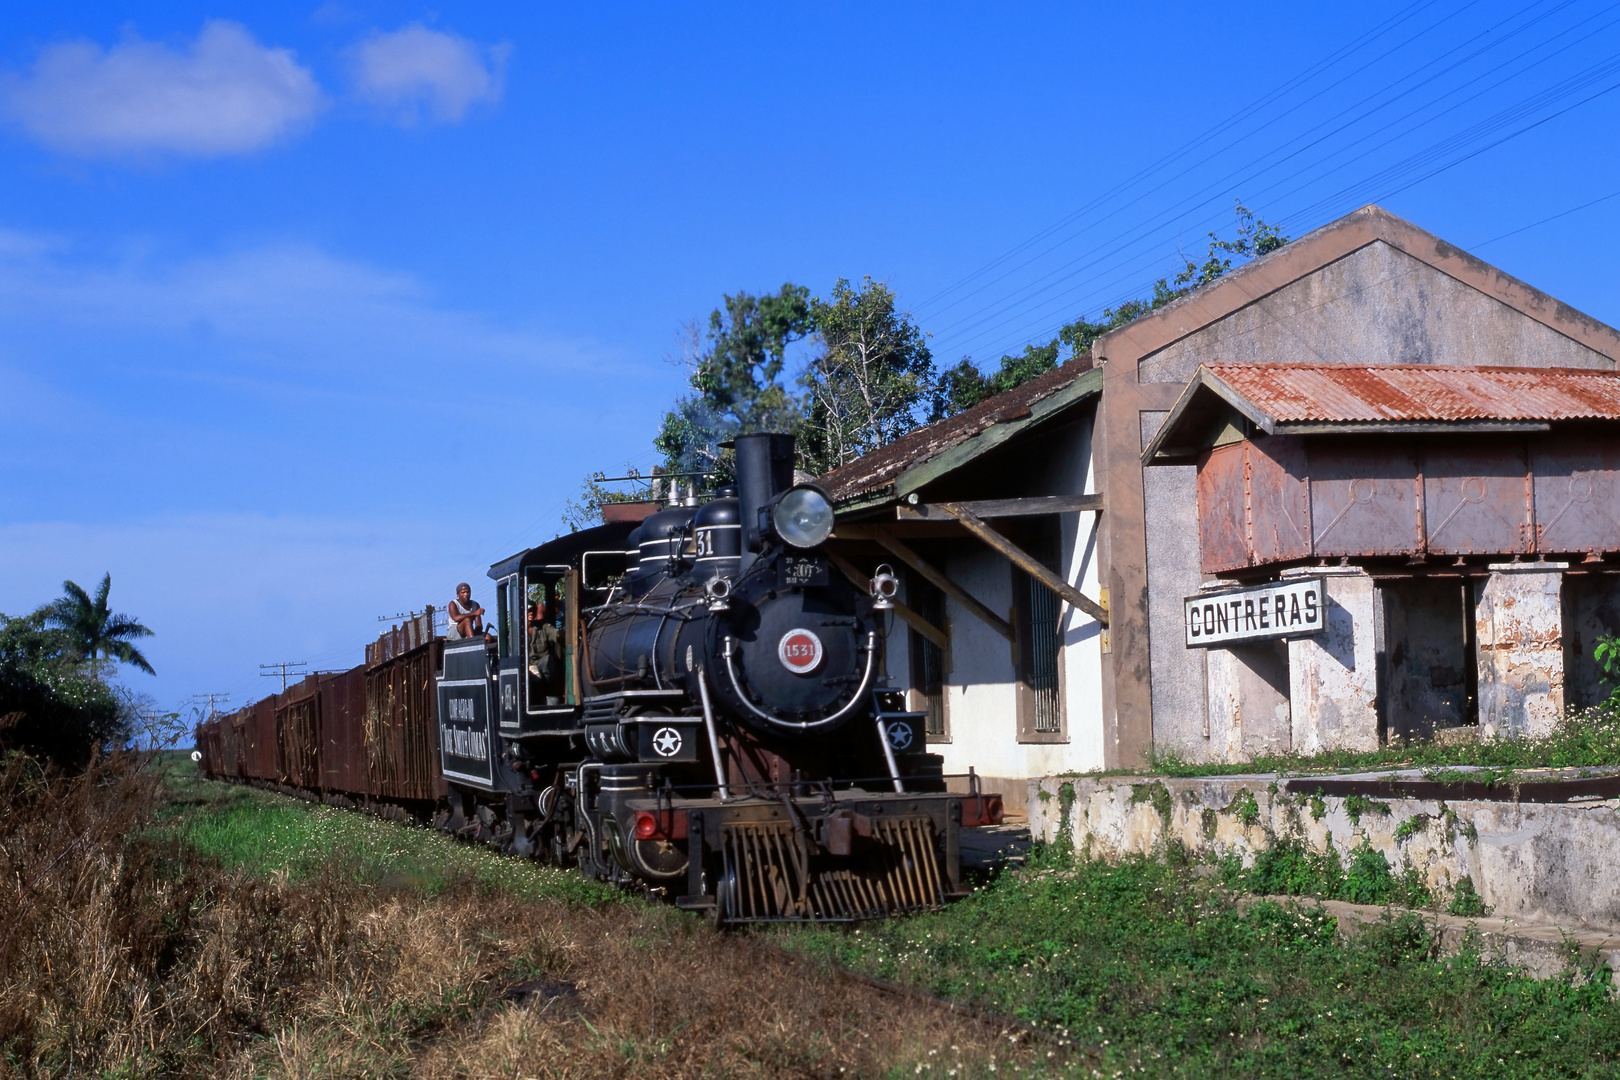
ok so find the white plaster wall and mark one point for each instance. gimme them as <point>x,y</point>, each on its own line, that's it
<point>981,695</point>
<point>1377,305</point>
<point>1334,674</point>
<point>1081,659</point>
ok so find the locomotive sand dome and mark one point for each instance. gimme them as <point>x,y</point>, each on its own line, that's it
<point>692,703</point>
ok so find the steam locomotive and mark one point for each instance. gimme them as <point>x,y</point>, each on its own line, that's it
<point>693,703</point>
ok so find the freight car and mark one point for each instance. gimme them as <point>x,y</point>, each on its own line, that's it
<point>693,703</point>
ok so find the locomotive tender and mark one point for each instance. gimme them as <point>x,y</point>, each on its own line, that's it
<point>695,703</point>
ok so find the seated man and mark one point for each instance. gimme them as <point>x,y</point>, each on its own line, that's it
<point>466,617</point>
<point>546,652</point>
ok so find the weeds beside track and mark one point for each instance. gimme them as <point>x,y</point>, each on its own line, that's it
<point>315,943</point>
<point>1157,971</point>
<point>220,931</point>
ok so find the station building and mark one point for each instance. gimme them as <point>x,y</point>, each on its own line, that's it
<point>1408,456</point>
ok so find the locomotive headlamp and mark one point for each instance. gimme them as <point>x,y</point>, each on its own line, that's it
<point>803,517</point>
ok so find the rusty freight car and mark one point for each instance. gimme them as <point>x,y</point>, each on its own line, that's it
<point>351,737</point>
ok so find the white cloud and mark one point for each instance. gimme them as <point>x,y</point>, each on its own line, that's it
<point>297,307</point>
<point>223,94</point>
<point>415,68</point>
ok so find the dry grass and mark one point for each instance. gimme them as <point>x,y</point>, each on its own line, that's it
<point>122,954</point>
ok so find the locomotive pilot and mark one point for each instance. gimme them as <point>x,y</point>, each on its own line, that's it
<point>466,617</point>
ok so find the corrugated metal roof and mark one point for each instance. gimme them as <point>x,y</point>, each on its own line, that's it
<point>1293,393</point>
<point>874,472</point>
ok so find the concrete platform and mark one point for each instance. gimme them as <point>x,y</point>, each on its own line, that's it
<point>1539,848</point>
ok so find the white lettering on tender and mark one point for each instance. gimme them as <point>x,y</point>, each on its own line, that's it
<point>461,742</point>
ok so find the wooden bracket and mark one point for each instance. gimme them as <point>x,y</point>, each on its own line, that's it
<point>998,508</point>
<point>1024,561</point>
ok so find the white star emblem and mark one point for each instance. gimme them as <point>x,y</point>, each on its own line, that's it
<point>899,734</point>
<point>666,742</point>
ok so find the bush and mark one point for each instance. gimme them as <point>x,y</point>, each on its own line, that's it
<point>61,716</point>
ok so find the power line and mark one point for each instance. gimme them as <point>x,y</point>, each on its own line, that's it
<point>1545,220</point>
<point>1200,140</point>
<point>1030,298</point>
<point>1167,218</point>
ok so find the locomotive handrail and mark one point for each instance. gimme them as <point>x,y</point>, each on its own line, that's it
<point>805,725</point>
<point>681,611</point>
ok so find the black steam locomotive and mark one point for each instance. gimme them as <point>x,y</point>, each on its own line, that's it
<point>695,702</point>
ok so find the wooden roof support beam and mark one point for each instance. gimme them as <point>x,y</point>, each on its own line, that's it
<point>907,615</point>
<point>868,531</point>
<point>999,508</point>
<point>1024,561</point>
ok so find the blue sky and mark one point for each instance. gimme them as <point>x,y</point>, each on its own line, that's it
<point>308,312</point>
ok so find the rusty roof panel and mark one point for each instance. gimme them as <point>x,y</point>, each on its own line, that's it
<point>1296,393</point>
<point>874,472</point>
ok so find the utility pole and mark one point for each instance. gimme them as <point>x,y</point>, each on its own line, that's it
<point>435,617</point>
<point>212,699</point>
<point>273,670</point>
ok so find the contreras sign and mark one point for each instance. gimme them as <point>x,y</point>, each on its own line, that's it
<point>1286,609</point>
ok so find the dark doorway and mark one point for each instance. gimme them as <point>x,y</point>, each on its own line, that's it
<point>1430,660</point>
<point>1591,612</point>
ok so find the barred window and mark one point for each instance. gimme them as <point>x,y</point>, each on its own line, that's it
<point>1038,611</point>
<point>1043,658</point>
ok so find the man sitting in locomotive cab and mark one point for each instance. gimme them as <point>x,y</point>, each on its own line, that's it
<point>466,617</point>
<point>546,652</point>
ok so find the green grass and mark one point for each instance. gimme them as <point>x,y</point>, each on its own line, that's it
<point>266,834</point>
<point>1589,739</point>
<point>1158,968</point>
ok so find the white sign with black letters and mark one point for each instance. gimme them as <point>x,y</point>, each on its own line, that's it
<point>1283,609</point>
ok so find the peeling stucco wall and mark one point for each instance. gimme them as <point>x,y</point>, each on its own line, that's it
<point>1519,615</point>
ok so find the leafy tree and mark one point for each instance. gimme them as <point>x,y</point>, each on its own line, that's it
<point>735,379</point>
<point>964,386</point>
<point>864,388</point>
<point>93,632</point>
<point>957,388</point>
<point>585,510</point>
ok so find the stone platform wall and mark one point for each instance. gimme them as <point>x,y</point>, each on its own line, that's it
<point>1552,856</point>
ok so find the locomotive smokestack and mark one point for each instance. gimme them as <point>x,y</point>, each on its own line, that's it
<point>764,468</point>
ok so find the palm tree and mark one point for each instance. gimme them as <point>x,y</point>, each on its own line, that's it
<point>94,631</point>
